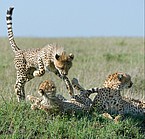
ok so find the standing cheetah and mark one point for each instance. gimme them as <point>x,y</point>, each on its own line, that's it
<point>34,62</point>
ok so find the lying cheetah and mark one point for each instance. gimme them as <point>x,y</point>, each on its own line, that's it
<point>55,104</point>
<point>109,99</point>
<point>49,102</point>
<point>30,63</point>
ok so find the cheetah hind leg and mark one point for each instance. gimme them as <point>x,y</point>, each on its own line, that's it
<point>19,89</point>
<point>77,86</point>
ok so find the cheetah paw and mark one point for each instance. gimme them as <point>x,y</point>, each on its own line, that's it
<point>108,116</point>
<point>117,118</point>
<point>36,73</point>
<point>34,107</point>
<point>74,81</point>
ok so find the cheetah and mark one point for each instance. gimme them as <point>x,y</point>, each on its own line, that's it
<point>49,102</point>
<point>108,99</point>
<point>30,63</point>
<point>53,103</point>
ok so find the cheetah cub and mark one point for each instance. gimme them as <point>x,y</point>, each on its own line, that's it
<point>55,104</point>
<point>35,62</point>
<point>108,99</point>
<point>49,102</point>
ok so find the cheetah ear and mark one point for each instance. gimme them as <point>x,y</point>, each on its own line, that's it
<point>120,77</point>
<point>57,56</point>
<point>71,56</point>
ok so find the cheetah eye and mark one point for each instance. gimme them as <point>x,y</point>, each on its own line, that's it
<point>120,76</point>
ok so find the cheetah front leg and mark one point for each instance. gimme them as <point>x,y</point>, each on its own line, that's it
<point>67,83</point>
<point>68,86</point>
<point>50,110</point>
<point>41,69</point>
<point>35,102</point>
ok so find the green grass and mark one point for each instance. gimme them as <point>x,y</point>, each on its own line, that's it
<point>18,121</point>
<point>95,58</point>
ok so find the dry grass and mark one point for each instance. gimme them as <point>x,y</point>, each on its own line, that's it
<point>95,58</point>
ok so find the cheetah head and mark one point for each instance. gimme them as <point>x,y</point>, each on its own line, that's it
<point>63,62</point>
<point>47,89</point>
<point>118,81</point>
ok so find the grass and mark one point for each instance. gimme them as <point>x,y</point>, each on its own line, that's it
<point>95,58</point>
<point>18,121</point>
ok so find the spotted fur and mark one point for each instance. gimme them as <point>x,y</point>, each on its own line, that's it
<point>49,102</point>
<point>52,103</point>
<point>109,99</point>
<point>35,62</point>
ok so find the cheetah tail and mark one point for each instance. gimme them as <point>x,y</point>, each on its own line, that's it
<point>10,31</point>
<point>93,90</point>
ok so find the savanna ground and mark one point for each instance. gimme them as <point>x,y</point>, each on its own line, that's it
<point>95,59</point>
